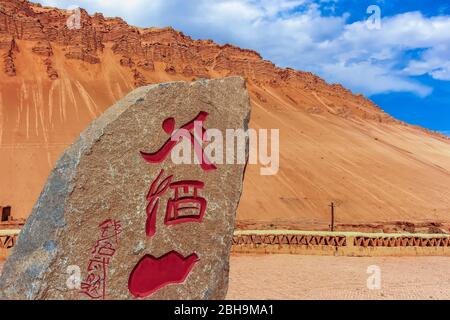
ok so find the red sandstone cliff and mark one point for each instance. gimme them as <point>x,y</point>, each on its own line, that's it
<point>335,145</point>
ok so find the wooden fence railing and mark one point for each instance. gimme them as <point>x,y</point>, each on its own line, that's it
<point>340,243</point>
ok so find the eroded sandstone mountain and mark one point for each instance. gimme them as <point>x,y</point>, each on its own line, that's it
<point>335,146</point>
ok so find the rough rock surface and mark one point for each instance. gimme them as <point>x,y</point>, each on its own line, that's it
<point>103,176</point>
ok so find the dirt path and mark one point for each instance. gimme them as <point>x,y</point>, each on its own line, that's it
<point>314,277</point>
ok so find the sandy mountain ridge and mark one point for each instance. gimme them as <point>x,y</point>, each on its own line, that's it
<point>335,146</point>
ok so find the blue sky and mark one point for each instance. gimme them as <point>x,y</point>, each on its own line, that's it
<point>401,61</point>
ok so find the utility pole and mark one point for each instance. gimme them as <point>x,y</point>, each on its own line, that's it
<point>332,206</point>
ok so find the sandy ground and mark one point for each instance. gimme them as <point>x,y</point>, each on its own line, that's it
<point>308,277</point>
<point>314,277</point>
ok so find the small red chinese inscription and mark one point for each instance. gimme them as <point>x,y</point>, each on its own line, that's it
<point>94,285</point>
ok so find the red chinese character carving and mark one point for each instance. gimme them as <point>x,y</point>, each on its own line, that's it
<point>157,190</point>
<point>110,229</point>
<point>177,206</point>
<point>94,286</point>
<point>104,248</point>
<point>195,125</point>
<point>151,274</point>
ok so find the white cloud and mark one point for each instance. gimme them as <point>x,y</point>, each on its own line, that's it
<point>371,79</point>
<point>434,61</point>
<point>296,33</point>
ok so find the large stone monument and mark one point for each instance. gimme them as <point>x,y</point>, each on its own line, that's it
<point>120,219</point>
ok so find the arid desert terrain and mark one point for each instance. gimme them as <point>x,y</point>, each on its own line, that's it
<point>314,277</point>
<point>334,145</point>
